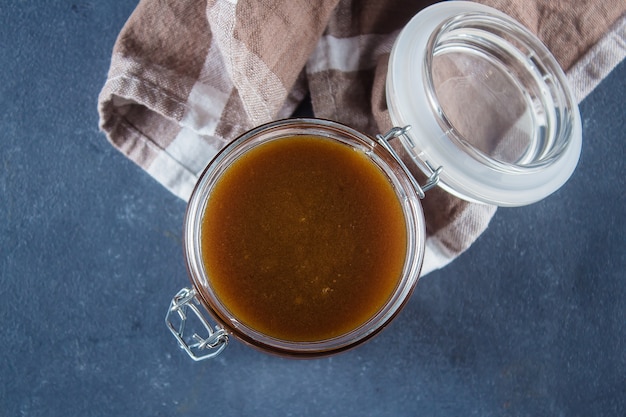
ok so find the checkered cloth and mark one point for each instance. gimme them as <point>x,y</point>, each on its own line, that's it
<point>188,76</point>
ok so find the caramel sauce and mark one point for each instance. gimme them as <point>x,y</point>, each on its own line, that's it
<point>303,239</point>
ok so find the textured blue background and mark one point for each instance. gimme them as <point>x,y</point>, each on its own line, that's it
<point>530,321</point>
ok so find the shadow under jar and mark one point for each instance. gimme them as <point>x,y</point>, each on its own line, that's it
<point>305,237</point>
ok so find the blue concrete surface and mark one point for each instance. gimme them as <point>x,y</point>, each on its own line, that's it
<point>531,321</point>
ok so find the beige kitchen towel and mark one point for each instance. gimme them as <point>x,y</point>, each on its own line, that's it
<point>188,76</point>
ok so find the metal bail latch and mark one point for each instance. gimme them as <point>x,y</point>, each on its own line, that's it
<point>433,175</point>
<point>196,346</point>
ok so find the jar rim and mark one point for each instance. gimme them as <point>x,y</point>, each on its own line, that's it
<point>405,192</point>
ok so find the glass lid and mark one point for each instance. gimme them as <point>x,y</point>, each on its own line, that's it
<point>485,100</point>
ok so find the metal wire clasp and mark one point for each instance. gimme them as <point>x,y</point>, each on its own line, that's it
<point>196,346</point>
<point>433,177</point>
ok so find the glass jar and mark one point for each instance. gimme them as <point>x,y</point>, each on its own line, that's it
<point>406,192</point>
<point>492,121</point>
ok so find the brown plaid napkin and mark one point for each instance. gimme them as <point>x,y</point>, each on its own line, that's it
<point>188,76</point>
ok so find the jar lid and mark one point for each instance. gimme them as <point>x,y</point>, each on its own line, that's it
<point>485,100</point>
